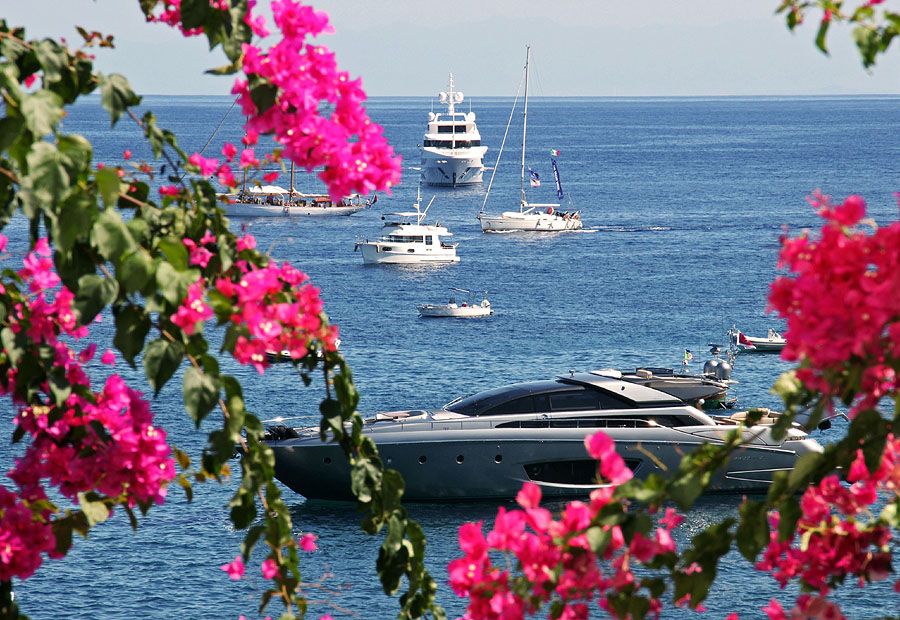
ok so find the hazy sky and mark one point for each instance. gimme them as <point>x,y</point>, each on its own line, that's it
<point>580,47</point>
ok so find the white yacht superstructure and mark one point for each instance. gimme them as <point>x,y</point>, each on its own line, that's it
<point>452,154</point>
<point>406,240</point>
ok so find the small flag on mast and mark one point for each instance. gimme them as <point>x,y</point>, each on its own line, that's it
<point>554,152</point>
<point>688,356</point>
<point>535,179</point>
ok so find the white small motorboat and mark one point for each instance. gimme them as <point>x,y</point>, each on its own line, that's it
<point>470,308</point>
<point>772,343</point>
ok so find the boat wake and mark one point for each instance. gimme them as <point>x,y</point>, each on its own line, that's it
<point>631,228</point>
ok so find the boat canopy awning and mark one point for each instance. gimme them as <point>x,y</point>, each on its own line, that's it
<point>267,189</point>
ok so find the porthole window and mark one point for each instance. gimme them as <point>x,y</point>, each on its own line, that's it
<point>498,458</point>
<point>459,458</point>
<point>422,460</point>
<point>327,460</point>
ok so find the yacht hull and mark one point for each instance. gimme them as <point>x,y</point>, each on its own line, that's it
<point>374,253</point>
<point>450,460</point>
<point>240,209</point>
<point>513,221</point>
<point>444,170</point>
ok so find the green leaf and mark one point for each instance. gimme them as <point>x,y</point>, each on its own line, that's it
<point>201,394</point>
<point>753,532</point>
<point>193,13</point>
<point>687,488</point>
<point>95,510</point>
<point>116,95</point>
<point>803,468</point>
<point>47,178</point>
<point>821,34</point>
<point>94,293</point>
<point>42,111</point>
<point>789,511</point>
<point>599,538</point>
<point>109,184</point>
<point>868,43</point>
<point>175,252</point>
<point>10,130</point>
<point>136,271</point>
<point>111,237</point>
<point>13,344</point>
<point>132,327</point>
<point>53,59</point>
<point>161,360</point>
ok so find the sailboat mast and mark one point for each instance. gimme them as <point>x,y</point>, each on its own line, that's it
<point>525,123</point>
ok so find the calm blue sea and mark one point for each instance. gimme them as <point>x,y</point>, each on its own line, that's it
<point>684,201</point>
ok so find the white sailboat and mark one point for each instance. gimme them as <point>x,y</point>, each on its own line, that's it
<point>529,217</point>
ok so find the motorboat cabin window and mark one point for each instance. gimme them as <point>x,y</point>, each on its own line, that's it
<point>429,240</point>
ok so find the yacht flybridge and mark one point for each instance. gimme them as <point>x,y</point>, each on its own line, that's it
<point>452,154</point>
<point>485,446</point>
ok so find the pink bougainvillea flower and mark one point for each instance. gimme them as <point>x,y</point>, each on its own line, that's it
<point>229,151</point>
<point>247,242</point>
<point>599,445</point>
<point>108,358</point>
<point>308,542</point>
<point>169,190</point>
<point>529,496</point>
<point>127,154</point>
<point>774,610</point>
<point>248,159</point>
<point>193,309</point>
<point>250,138</point>
<point>207,165</point>
<point>269,568</point>
<point>270,177</point>
<point>234,569</point>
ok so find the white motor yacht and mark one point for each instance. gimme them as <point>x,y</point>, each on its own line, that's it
<point>485,446</point>
<point>452,154</point>
<point>406,240</point>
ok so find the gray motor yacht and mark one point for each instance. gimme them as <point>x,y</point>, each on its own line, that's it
<point>485,446</point>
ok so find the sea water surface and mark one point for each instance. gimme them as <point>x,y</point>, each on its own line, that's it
<point>684,202</point>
